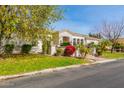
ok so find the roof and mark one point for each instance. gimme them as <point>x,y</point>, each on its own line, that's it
<point>73,33</point>
<point>92,38</point>
<point>80,35</point>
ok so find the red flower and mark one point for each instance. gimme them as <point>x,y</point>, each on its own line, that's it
<point>69,50</point>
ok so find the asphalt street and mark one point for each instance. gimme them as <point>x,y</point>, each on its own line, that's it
<point>105,75</point>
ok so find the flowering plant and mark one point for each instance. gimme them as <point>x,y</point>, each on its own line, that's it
<point>69,50</point>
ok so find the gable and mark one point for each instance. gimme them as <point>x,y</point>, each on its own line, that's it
<point>65,34</point>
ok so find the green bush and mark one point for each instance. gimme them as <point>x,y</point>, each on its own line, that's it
<point>59,51</point>
<point>65,44</point>
<point>8,48</point>
<point>118,47</point>
<point>84,50</point>
<point>99,50</point>
<point>26,48</point>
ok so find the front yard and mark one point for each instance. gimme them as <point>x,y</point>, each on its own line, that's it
<point>17,64</point>
<point>113,55</point>
<point>28,63</point>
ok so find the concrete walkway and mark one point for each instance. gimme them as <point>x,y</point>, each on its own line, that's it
<point>94,59</point>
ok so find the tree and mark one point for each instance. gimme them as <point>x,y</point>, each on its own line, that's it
<point>95,35</point>
<point>112,31</point>
<point>9,17</point>
<point>27,23</point>
<point>38,25</point>
<point>39,20</point>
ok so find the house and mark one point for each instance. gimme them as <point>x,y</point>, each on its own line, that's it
<point>64,36</point>
<point>75,38</point>
<point>120,40</point>
<point>68,37</point>
<point>91,39</point>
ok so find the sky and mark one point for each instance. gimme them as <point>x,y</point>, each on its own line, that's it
<point>82,19</point>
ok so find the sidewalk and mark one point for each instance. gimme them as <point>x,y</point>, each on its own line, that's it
<point>95,59</point>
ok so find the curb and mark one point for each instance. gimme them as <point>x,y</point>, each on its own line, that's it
<point>105,61</point>
<point>52,70</point>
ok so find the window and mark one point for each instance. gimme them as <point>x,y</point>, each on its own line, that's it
<point>78,41</point>
<point>74,41</point>
<point>65,39</point>
<point>82,41</point>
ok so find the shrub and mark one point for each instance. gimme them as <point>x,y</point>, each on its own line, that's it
<point>69,50</point>
<point>83,50</point>
<point>65,44</point>
<point>9,48</point>
<point>59,51</point>
<point>91,45</point>
<point>118,47</point>
<point>104,44</point>
<point>99,50</point>
<point>26,48</point>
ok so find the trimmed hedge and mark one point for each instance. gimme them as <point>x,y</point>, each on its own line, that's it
<point>26,48</point>
<point>8,48</point>
<point>65,44</point>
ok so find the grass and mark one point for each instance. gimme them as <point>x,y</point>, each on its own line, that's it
<point>28,63</point>
<point>113,55</point>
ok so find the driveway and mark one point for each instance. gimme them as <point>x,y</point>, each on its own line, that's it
<point>103,75</point>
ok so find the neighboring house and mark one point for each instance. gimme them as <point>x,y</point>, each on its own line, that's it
<point>92,39</point>
<point>75,38</point>
<point>120,40</point>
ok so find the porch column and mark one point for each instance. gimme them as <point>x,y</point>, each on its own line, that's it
<point>76,41</point>
<point>71,40</point>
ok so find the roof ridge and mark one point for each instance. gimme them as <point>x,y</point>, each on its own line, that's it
<point>78,34</point>
<point>73,32</point>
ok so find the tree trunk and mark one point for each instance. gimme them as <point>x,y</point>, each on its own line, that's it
<point>44,49</point>
<point>0,47</point>
<point>48,47</point>
<point>112,49</point>
<point>85,55</point>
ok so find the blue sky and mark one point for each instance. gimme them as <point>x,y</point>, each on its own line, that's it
<point>82,19</point>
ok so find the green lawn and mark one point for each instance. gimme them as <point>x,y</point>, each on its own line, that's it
<point>29,63</point>
<point>113,55</point>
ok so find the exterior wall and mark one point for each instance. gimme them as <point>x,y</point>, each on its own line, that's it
<point>71,37</point>
<point>90,41</point>
<point>78,37</point>
<point>53,50</point>
<point>63,34</point>
<point>38,48</point>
